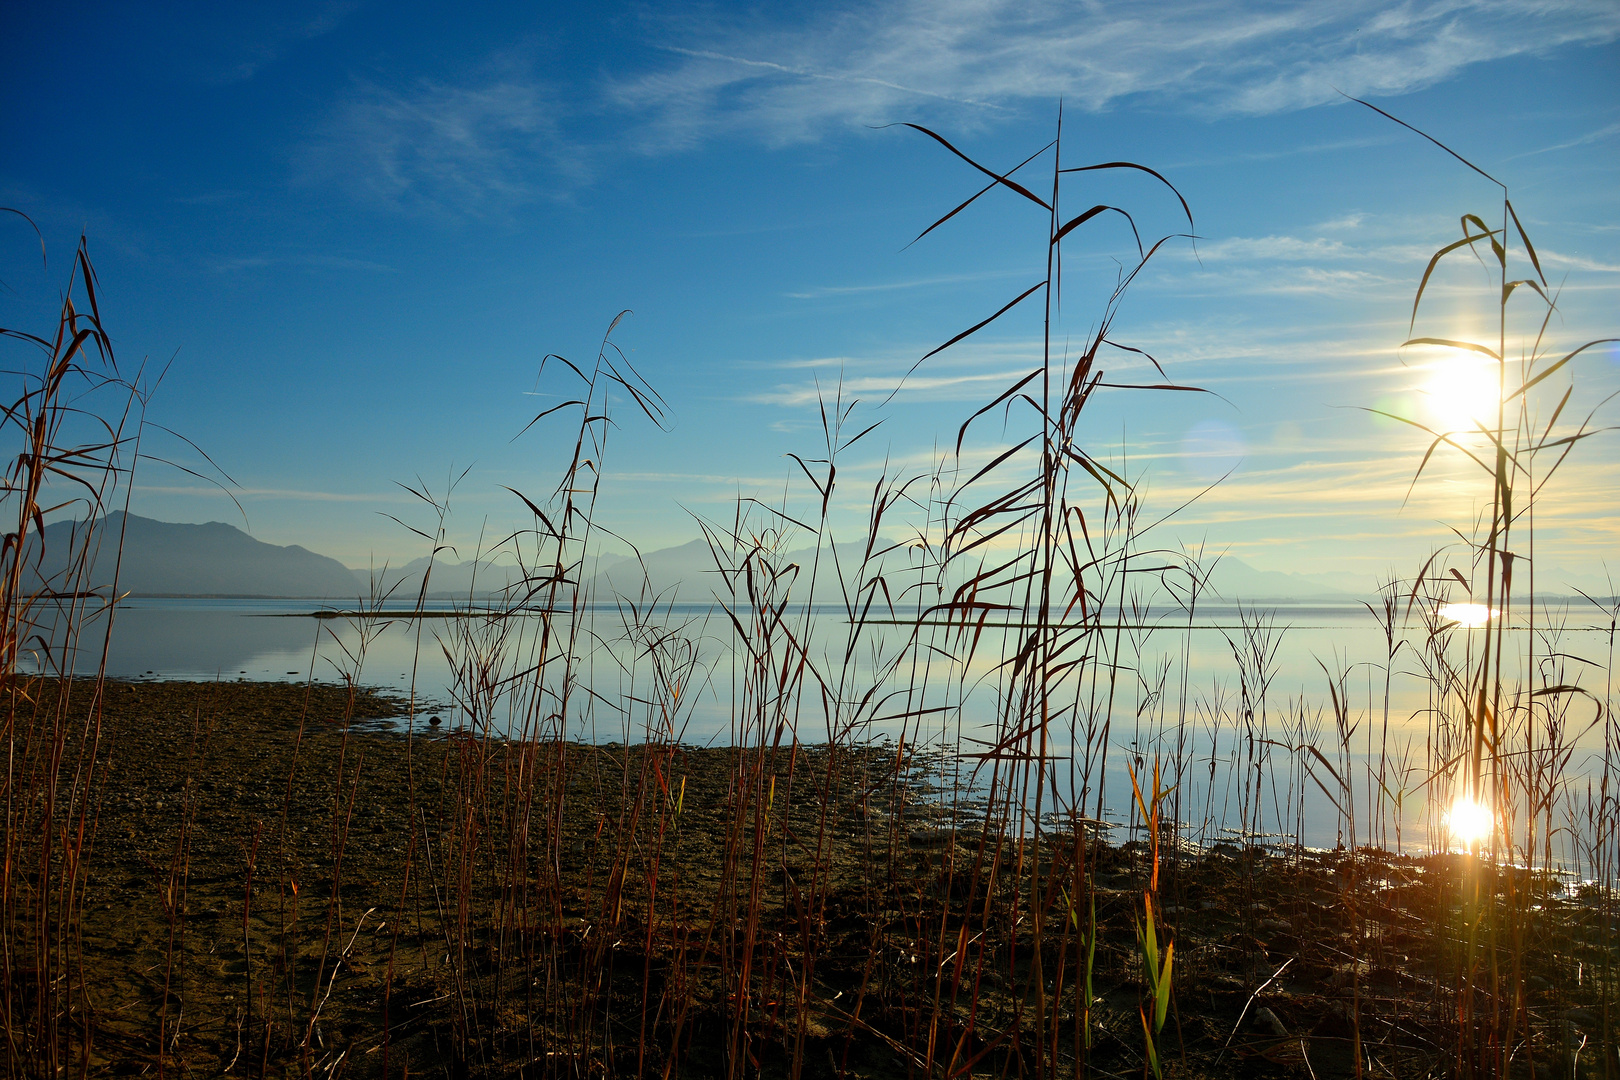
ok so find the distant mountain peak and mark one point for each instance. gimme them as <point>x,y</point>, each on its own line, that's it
<point>165,558</point>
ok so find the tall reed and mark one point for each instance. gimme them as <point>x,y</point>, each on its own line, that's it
<point>74,428</point>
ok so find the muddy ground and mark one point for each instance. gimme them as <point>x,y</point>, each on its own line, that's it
<point>279,882</point>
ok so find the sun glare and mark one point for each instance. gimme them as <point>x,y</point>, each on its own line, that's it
<point>1469,822</point>
<point>1462,390</point>
<point>1467,614</point>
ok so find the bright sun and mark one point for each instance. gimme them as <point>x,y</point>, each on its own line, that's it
<point>1460,390</point>
<point>1467,614</point>
<point>1470,822</point>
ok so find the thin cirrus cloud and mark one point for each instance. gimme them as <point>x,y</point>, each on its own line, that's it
<point>435,146</point>
<point>250,53</point>
<point>821,292</point>
<point>481,144</point>
<point>235,264</point>
<point>1290,248</point>
<point>909,57</point>
<point>963,377</point>
<point>1288,503</point>
<point>1585,140</point>
<point>916,388</point>
<point>1577,262</point>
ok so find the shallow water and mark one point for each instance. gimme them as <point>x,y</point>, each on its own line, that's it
<point>1179,669</point>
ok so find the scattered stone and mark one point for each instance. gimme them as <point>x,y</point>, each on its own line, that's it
<point>1268,1022</point>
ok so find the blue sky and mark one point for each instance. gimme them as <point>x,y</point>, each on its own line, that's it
<point>352,230</point>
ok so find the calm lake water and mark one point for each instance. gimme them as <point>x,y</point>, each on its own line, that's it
<point>1175,670</point>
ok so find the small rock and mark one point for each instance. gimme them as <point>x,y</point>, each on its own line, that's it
<point>1343,975</point>
<point>1584,1019</point>
<point>1267,1021</point>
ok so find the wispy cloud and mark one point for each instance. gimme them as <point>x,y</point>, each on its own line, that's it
<point>808,362</point>
<point>250,54</point>
<point>707,479</point>
<point>1584,140</point>
<point>968,372</point>
<point>1292,248</point>
<point>871,387</point>
<point>1561,259</point>
<point>1292,501</point>
<point>238,263</point>
<point>834,77</point>
<point>1282,502</point>
<point>441,147</point>
<point>1251,156</point>
<point>1348,221</point>
<point>827,291</point>
<point>476,143</point>
<point>903,58</point>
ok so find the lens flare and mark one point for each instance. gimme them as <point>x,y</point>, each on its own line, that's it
<point>1467,614</point>
<point>1212,449</point>
<point>1470,822</point>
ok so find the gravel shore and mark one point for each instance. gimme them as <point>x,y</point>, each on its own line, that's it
<point>280,882</point>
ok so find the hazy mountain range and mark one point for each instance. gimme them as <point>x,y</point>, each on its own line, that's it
<point>216,559</point>
<point>161,558</point>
